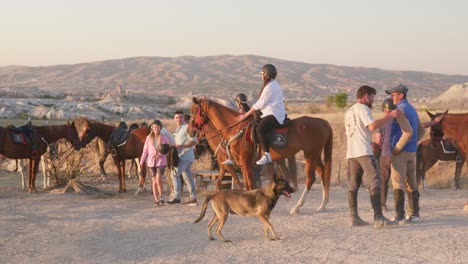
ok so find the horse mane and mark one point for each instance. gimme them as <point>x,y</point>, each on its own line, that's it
<point>218,105</point>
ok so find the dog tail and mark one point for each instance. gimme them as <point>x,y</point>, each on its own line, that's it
<point>205,205</point>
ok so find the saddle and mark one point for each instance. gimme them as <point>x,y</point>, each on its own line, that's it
<point>25,135</point>
<point>278,136</point>
<point>448,146</point>
<point>119,137</point>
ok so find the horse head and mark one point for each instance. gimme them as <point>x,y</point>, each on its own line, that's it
<point>436,130</point>
<point>85,131</point>
<point>198,116</point>
<point>72,136</point>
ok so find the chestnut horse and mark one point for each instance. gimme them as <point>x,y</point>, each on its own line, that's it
<point>311,135</point>
<point>132,149</point>
<point>214,141</point>
<point>44,136</point>
<point>452,127</point>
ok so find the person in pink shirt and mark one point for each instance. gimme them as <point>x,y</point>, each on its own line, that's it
<point>155,157</point>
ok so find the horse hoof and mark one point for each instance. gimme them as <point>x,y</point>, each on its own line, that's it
<point>321,209</point>
<point>294,211</point>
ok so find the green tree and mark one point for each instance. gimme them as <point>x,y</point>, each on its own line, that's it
<point>330,100</point>
<point>341,99</point>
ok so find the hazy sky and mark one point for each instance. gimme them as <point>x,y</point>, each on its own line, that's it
<point>397,35</point>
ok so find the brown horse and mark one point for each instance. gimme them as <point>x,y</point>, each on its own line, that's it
<point>453,127</point>
<point>44,136</point>
<point>427,155</point>
<point>132,149</point>
<point>214,139</point>
<point>311,135</point>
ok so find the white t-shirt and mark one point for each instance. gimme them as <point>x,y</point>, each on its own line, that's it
<point>358,137</point>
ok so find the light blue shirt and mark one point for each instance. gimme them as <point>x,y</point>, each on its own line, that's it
<point>182,137</point>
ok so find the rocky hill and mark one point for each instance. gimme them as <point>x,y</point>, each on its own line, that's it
<point>223,76</point>
<point>455,97</point>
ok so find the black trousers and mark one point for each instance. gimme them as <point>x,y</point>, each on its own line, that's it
<point>266,125</point>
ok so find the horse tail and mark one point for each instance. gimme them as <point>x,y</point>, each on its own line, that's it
<point>292,168</point>
<point>328,152</point>
<point>205,206</point>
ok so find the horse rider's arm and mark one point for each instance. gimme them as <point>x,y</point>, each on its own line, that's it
<point>433,122</point>
<point>244,116</point>
<point>407,133</point>
<point>421,130</point>
<point>382,121</point>
<point>378,137</point>
<point>379,123</point>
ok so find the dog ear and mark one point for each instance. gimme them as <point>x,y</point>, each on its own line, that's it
<point>275,177</point>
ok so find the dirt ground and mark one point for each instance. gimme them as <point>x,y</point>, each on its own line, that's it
<point>124,228</point>
<point>109,227</point>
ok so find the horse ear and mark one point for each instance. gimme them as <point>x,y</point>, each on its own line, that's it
<point>432,116</point>
<point>195,100</point>
<point>446,112</point>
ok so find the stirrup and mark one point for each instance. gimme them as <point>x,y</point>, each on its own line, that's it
<point>228,162</point>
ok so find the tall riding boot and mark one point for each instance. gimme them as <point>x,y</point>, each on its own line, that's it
<point>399,198</point>
<point>410,204</point>
<point>352,201</point>
<point>414,206</point>
<point>379,219</point>
<point>383,201</point>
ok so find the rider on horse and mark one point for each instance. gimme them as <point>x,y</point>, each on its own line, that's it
<point>273,111</point>
<point>241,100</point>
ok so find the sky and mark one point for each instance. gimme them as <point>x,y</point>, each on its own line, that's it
<point>415,35</point>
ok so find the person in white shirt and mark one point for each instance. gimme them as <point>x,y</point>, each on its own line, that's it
<point>359,124</point>
<point>270,103</point>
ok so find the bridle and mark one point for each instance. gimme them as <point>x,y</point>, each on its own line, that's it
<point>200,118</point>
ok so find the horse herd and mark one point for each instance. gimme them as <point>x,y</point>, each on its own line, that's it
<point>216,124</point>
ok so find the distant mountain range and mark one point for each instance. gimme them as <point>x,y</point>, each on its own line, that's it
<point>221,76</point>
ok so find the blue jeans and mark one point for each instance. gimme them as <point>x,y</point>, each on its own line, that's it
<point>184,166</point>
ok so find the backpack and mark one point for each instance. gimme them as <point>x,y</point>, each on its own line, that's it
<point>172,158</point>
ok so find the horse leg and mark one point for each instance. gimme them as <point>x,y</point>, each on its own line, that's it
<point>141,179</point>
<point>292,171</point>
<point>33,165</point>
<point>310,179</point>
<point>325,186</point>
<point>247,176</point>
<point>458,168</point>
<point>21,167</point>
<point>45,175</point>
<point>101,167</point>
<point>235,179</point>
<point>219,180</point>
<point>120,164</point>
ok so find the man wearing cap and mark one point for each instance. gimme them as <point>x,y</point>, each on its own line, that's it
<point>359,124</point>
<point>383,138</point>
<point>404,143</point>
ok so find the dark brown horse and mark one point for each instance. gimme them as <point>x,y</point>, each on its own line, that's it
<point>430,150</point>
<point>311,135</point>
<point>427,155</point>
<point>44,135</point>
<point>132,149</point>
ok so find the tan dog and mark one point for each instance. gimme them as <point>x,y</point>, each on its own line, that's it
<point>259,203</point>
